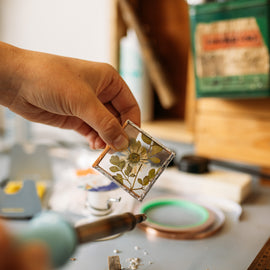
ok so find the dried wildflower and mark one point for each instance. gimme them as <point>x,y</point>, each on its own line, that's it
<point>129,163</point>
<point>136,154</point>
<point>136,168</point>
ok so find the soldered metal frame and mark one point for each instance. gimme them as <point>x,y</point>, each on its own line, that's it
<point>153,174</point>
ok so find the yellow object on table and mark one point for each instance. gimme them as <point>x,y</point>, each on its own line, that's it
<point>14,186</point>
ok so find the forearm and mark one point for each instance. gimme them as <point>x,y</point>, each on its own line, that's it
<point>10,63</point>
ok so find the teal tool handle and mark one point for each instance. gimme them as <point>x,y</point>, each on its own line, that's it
<point>56,232</point>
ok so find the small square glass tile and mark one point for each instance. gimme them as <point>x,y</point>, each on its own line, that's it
<point>137,168</point>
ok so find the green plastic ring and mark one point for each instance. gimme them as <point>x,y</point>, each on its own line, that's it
<point>198,209</point>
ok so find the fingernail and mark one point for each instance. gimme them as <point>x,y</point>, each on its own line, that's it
<point>120,143</point>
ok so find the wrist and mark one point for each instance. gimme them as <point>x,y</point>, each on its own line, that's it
<point>10,80</point>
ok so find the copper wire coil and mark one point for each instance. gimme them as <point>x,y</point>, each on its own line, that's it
<point>212,225</point>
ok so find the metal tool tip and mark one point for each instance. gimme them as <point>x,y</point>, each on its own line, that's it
<point>140,218</point>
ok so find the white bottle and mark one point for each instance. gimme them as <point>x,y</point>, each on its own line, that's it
<point>133,71</point>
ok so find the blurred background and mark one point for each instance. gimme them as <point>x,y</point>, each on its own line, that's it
<point>79,29</point>
<point>199,70</point>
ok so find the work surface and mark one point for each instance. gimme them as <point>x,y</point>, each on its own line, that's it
<point>234,247</point>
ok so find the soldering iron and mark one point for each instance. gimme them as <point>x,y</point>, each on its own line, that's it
<point>62,238</point>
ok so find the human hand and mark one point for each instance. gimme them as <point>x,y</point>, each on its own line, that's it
<point>30,256</point>
<point>88,97</point>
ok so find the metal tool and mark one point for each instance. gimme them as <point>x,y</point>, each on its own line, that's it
<point>114,263</point>
<point>262,260</point>
<point>62,238</point>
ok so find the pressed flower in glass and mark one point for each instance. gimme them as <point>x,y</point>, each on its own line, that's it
<point>136,168</point>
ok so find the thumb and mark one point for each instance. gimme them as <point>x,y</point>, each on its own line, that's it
<point>105,124</point>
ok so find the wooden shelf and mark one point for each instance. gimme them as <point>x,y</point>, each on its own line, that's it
<point>171,130</point>
<point>166,57</point>
<point>219,128</point>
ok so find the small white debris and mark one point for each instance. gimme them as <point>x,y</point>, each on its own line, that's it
<point>134,263</point>
<point>115,251</point>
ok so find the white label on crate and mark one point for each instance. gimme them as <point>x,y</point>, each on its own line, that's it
<point>230,48</point>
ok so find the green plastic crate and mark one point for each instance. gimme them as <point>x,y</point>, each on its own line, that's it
<point>230,43</point>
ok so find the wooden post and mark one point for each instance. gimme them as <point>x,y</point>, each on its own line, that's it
<point>190,110</point>
<point>157,76</point>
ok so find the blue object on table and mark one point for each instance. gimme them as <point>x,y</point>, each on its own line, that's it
<point>111,186</point>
